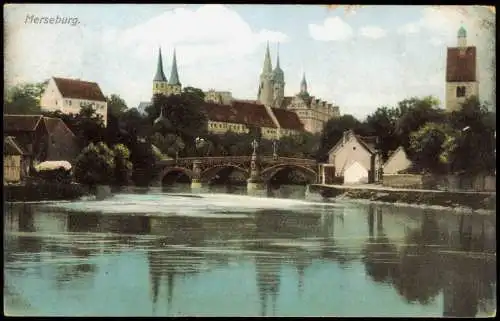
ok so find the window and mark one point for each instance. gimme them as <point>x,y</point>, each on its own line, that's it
<point>461,91</point>
<point>354,148</point>
<point>69,102</point>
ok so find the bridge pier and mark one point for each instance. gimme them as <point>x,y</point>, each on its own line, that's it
<point>196,179</point>
<point>255,183</point>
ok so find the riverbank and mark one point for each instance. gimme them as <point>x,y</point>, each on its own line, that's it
<point>377,193</point>
<point>43,191</point>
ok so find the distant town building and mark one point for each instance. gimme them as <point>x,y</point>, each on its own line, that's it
<point>461,73</point>
<point>42,138</point>
<point>70,95</point>
<point>218,97</point>
<point>397,162</point>
<point>356,158</point>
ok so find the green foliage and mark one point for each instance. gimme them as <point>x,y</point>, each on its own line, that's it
<point>24,99</point>
<point>123,166</point>
<point>183,113</point>
<point>116,105</point>
<point>382,123</point>
<point>95,165</point>
<point>169,144</point>
<point>144,161</point>
<point>428,144</point>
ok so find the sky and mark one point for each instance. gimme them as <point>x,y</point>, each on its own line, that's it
<point>358,59</point>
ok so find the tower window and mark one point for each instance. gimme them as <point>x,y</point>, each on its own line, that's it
<point>461,91</point>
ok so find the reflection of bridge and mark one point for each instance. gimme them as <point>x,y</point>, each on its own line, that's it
<point>201,170</point>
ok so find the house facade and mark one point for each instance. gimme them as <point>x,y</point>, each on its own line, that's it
<point>356,159</point>
<point>398,161</point>
<point>70,95</point>
<point>42,138</point>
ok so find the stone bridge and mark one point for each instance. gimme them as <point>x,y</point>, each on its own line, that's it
<point>202,170</point>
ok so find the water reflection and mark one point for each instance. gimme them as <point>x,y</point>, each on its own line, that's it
<point>426,257</point>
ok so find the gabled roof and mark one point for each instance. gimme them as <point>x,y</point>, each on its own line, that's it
<point>394,153</point>
<point>20,123</point>
<point>11,147</point>
<point>368,142</point>
<point>78,89</point>
<point>461,64</point>
<point>239,112</point>
<point>288,119</point>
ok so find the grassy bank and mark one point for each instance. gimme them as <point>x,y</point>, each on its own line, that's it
<point>419,197</point>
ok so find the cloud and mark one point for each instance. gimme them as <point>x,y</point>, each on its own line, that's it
<point>332,29</point>
<point>373,32</point>
<point>272,36</point>
<point>208,40</point>
<point>409,28</point>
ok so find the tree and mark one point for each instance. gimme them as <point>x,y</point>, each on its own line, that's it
<point>95,165</point>
<point>116,105</point>
<point>123,166</point>
<point>473,149</point>
<point>88,126</point>
<point>183,113</point>
<point>169,144</point>
<point>382,123</point>
<point>427,145</point>
<point>333,131</point>
<point>414,113</point>
<point>143,161</point>
<point>24,99</point>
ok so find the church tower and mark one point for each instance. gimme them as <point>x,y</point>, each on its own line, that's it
<point>461,73</point>
<point>303,86</point>
<point>160,81</point>
<point>265,95</point>
<point>174,85</point>
<point>278,83</point>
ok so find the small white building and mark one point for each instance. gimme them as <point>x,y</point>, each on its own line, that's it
<point>398,161</point>
<point>69,95</point>
<point>356,158</point>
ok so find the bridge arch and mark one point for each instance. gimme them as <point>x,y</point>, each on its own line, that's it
<point>213,171</point>
<point>170,175</point>
<point>310,174</point>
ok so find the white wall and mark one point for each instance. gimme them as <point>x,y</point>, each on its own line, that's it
<point>352,150</point>
<point>356,173</point>
<point>452,101</point>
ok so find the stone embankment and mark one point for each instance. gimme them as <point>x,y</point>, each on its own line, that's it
<point>473,200</point>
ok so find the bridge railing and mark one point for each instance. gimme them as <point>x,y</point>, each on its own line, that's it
<point>238,159</point>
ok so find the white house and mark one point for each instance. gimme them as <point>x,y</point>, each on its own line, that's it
<point>69,95</point>
<point>398,161</point>
<point>355,158</point>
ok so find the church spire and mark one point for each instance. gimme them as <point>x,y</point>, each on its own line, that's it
<point>278,57</point>
<point>160,75</point>
<point>268,68</point>
<point>303,84</point>
<point>174,75</point>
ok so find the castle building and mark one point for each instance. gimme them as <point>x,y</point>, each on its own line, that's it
<point>461,73</point>
<point>312,112</point>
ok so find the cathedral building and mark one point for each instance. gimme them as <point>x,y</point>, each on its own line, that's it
<point>312,112</point>
<point>461,73</point>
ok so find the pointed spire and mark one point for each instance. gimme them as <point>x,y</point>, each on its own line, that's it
<point>268,68</point>
<point>278,56</point>
<point>160,75</point>
<point>174,75</point>
<point>303,83</point>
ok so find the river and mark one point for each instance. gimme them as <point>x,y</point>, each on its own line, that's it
<point>223,253</point>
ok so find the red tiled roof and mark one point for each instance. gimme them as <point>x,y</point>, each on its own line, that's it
<point>239,112</point>
<point>461,65</point>
<point>78,89</point>
<point>20,123</point>
<point>288,119</point>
